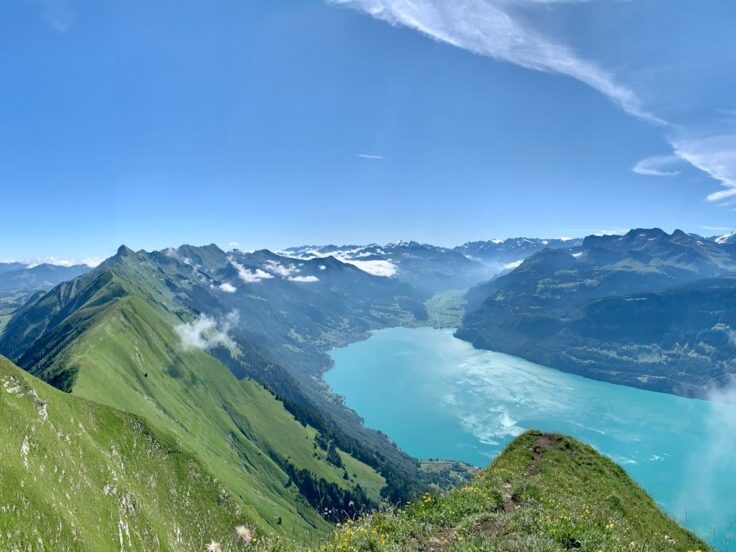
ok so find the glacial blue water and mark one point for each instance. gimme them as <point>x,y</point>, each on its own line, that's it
<point>438,397</point>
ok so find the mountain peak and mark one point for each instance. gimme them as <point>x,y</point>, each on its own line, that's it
<point>636,233</point>
<point>124,251</point>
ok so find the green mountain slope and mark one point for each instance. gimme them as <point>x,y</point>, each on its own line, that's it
<point>75,475</point>
<point>110,337</point>
<point>544,493</point>
<point>271,327</point>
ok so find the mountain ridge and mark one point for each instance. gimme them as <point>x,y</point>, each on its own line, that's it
<point>557,309</point>
<point>144,332</point>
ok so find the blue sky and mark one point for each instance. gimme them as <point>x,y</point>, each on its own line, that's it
<point>274,123</point>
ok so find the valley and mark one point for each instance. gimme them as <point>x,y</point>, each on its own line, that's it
<point>367,276</point>
<point>230,355</point>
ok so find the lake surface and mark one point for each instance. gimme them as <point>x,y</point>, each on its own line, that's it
<point>438,397</point>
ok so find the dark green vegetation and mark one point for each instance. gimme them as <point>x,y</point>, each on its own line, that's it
<point>76,475</point>
<point>544,493</point>
<point>224,353</point>
<point>646,309</point>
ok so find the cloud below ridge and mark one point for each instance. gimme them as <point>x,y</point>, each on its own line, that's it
<point>206,333</point>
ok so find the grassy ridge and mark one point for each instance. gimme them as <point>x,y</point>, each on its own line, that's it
<point>75,475</point>
<point>129,359</point>
<point>544,493</point>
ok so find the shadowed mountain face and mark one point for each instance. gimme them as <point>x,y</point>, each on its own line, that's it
<point>647,309</point>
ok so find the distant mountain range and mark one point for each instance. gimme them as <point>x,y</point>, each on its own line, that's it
<point>647,309</point>
<point>567,303</point>
<point>430,268</point>
<point>19,281</point>
<point>506,254</point>
<point>18,276</point>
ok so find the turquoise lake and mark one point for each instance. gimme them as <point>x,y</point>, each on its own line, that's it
<point>438,397</point>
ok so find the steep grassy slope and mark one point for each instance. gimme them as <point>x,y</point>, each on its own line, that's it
<point>241,432</point>
<point>544,493</point>
<point>75,475</point>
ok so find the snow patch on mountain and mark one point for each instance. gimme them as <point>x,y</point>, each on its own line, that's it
<point>358,257</point>
<point>726,238</point>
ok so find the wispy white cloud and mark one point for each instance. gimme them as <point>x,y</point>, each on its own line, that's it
<point>609,231</point>
<point>233,244</point>
<point>712,463</point>
<point>513,265</point>
<point>58,14</point>
<point>491,28</point>
<point>498,30</point>
<point>372,157</point>
<point>714,155</point>
<point>658,165</point>
<point>716,228</point>
<point>383,268</point>
<point>62,261</point>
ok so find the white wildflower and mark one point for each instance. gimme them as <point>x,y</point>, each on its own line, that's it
<point>245,534</point>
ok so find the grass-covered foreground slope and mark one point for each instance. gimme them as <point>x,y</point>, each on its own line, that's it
<point>75,475</point>
<point>544,493</point>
